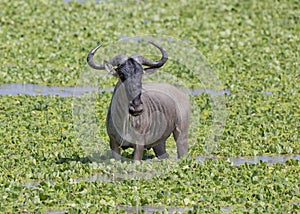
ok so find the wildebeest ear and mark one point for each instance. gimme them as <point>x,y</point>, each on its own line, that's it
<point>149,70</point>
<point>110,68</point>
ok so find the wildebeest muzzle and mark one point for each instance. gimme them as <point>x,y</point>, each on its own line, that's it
<point>136,106</point>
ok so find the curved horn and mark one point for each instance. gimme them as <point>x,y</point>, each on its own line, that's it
<point>121,58</point>
<point>157,64</point>
<point>90,59</point>
<point>113,62</point>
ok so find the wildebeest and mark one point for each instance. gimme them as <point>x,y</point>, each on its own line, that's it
<point>143,116</point>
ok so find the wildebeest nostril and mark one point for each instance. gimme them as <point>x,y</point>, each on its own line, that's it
<point>136,101</point>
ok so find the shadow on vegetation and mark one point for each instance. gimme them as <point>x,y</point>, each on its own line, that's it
<point>77,159</point>
<point>96,157</point>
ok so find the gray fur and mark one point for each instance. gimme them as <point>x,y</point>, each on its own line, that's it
<point>171,109</point>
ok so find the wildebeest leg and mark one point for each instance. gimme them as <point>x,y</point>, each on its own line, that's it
<point>160,150</point>
<point>181,138</point>
<point>115,148</point>
<point>138,152</point>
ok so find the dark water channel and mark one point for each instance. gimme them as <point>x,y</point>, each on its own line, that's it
<point>33,90</point>
<point>236,161</point>
<point>66,91</point>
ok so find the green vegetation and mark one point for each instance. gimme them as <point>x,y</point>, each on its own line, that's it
<point>252,45</point>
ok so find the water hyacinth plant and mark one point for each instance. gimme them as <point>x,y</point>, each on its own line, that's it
<point>253,47</point>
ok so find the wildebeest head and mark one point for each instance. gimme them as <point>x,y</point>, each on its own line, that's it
<point>130,70</point>
<point>130,73</point>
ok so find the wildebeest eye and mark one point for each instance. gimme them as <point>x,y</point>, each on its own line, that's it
<point>122,76</point>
